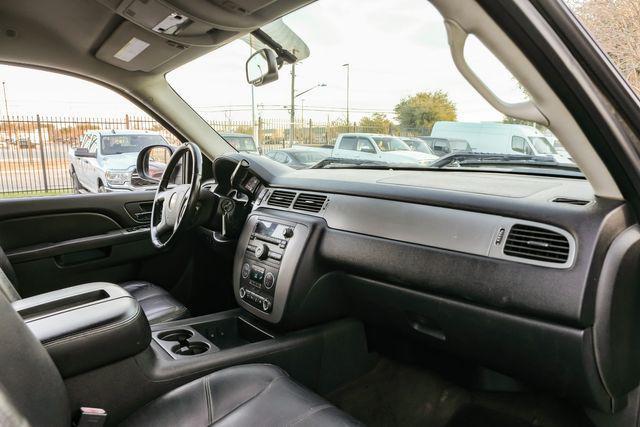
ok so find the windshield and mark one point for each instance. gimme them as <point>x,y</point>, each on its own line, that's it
<point>241,143</point>
<point>120,144</point>
<point>542,145</point>
<point>390,144</point>
<point>373,85</point>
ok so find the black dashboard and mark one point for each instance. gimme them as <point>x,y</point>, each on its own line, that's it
<point>533,276</point>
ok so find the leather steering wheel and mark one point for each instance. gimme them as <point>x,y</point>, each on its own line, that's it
<point>175,205</point>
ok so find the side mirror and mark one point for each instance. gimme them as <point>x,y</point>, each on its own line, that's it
<point>262,67</point>
<point>83,152</point>
<point>152,161</point>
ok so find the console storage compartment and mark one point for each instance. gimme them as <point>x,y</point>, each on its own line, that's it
<point>86,326</point>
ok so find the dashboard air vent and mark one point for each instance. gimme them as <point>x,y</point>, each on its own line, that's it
<point>309,202</point>
<point>535,243</point>
<point>282,199</point>
<point>570,201</point>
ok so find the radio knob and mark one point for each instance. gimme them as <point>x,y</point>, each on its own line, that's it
<point>288,233</point>
<point>266,304</point>
<point>262,251</point>
<point>242,292</point>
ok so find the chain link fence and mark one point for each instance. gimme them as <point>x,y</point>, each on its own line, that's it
<point>34,150</point>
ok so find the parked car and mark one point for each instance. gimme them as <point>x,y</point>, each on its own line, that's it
<point>299,158</point>
<point>416,144</point>
<point>106,160</point>
<point>443,146</point>
<point>504,138</point>
<point>378,148</point>
<point>241,142</point>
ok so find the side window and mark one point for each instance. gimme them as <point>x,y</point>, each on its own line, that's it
<point>47,116</point>
<point>349,143</point>
<point>519,144</point>
<point>440,147</point>
<point>280,157</point>
<point>365,146</point>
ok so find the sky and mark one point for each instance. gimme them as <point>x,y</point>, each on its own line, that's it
<point>394,50</point>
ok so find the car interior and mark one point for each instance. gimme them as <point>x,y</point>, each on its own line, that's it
<point>244,292</point>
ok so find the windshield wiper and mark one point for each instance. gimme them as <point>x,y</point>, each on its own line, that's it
<point>516,160</point>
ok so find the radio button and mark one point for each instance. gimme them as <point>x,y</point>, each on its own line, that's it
<point>246,269</point>
<point>269,280</point>
<point>288,233</point>
<point>266,304</point>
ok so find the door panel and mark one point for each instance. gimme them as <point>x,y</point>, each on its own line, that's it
<point>56,242</point>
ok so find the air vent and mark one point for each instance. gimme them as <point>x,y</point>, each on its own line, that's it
<point>309,202</point>
<point>569,201</point>
<point>535,243</point>
<point>282,199</point>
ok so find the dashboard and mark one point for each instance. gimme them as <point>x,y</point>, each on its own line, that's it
<point>528,275</point>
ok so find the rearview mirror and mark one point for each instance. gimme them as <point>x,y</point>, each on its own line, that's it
<point>262,67</point>
<point>152,161</point>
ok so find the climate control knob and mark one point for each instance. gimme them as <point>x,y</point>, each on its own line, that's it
<point>246,269</point>
<point>288,233</point>
<point>266,304</point>
<point>262,251</point>
<point>269,280</point>
<point>242,292</point>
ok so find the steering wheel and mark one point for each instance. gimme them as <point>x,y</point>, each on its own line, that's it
<point>175,205</point>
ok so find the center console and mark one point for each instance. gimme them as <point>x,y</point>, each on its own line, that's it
<point>269,250</point>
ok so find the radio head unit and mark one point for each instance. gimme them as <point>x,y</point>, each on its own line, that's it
<point>268,252</point>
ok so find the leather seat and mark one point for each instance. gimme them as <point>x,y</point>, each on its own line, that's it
<point>245,395</point>
<point>158,304</point>
<point>32,392</point>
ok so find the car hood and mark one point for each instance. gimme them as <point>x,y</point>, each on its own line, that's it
<point>124,161</point>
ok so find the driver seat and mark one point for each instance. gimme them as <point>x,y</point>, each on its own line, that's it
<point>158,304</point>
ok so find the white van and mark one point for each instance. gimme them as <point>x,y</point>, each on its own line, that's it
<point>503,138</point>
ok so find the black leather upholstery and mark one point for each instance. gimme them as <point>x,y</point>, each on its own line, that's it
<point>158,305</point>
<point>32,392</point>
<point>246,395</point>
<point>86,319</point>
<point>31,388</point>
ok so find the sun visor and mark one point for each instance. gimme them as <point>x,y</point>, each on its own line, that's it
<point>135,49</point>
<point>283,35</point>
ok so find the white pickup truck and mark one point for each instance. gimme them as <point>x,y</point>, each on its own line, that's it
<point>378,148</point>
<point>105,161</point>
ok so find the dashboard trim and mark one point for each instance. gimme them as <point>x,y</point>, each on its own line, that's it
<point>444,228</point>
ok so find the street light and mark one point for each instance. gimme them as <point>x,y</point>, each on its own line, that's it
<point>293,106</point>
<point>348,69</point>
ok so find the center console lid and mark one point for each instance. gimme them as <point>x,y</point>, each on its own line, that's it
<point>86,326</point>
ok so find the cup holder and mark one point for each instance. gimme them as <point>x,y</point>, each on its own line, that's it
<point>177,335</point>
<point>190,348</point>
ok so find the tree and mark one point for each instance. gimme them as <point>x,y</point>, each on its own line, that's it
<point>377,123</point>
<point>615,25</point>
<point>424,109</point>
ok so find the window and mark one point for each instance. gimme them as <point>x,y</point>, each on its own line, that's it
<point>518,144</point>
<point>349,143</point>
<point>50,117</point>
<point>365,146</point>
<point>414,91</point>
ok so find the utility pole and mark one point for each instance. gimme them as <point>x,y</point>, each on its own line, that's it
<point>6,109</point>
<point>348,69</point>
<point>293,100</point>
